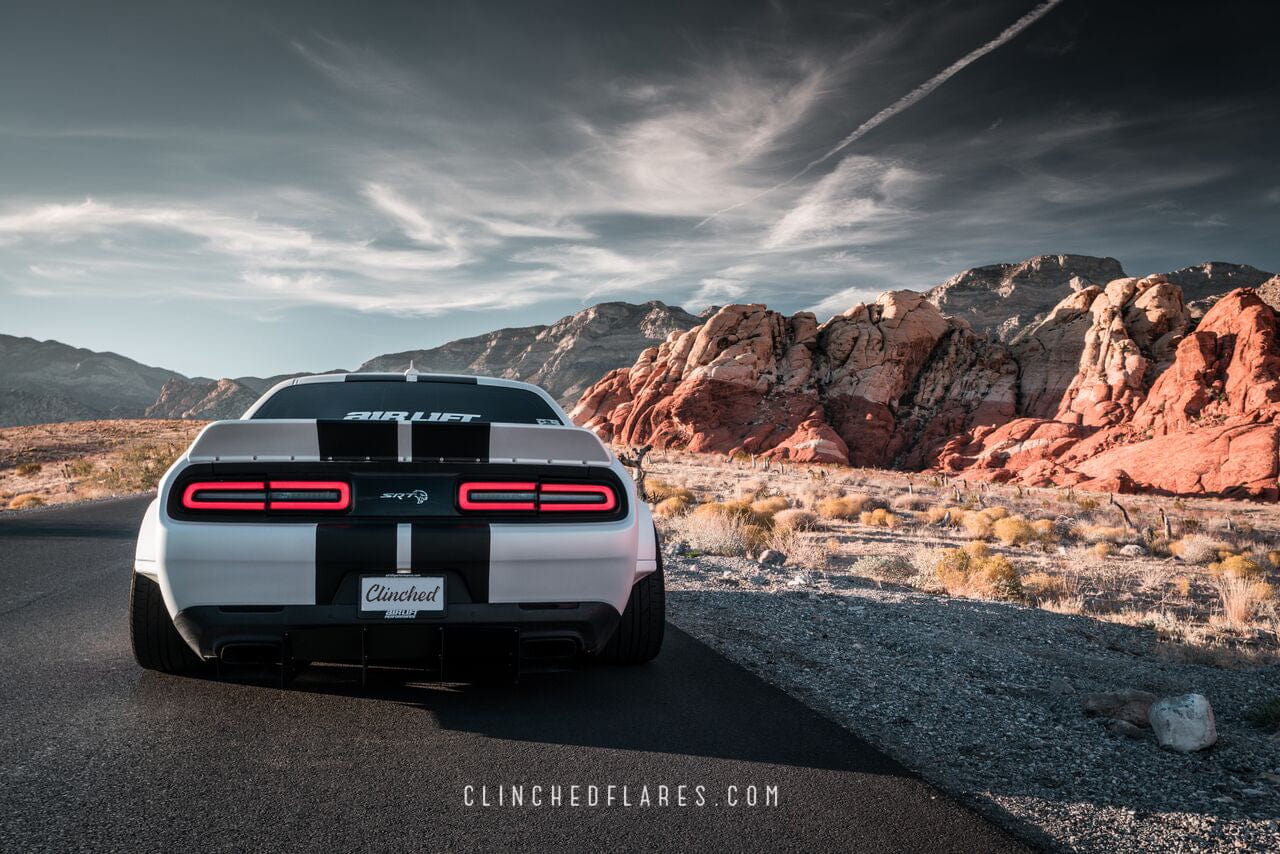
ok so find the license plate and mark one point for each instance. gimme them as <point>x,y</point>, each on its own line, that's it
<point>400,596</point>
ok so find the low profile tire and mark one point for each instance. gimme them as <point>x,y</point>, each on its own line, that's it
<point>639,634</point>
<point>156,643</point>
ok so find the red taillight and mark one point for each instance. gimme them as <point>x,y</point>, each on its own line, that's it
<point>225,495</point>
<point>498,495</point>
<point>578,497</point>
<point>529,496</point>
<point>310,495</point>
<point>324,495</point>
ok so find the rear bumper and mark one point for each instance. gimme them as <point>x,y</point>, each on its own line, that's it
<point>334,633</point>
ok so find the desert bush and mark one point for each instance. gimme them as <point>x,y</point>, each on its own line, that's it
<point>82,468</point>
<point>878,518</point>
<point>713,533</point>
<point>964,573</point>
<point>1042,586</point>
<point>660,490</point>
<point>976,524</point>
<point>1273,558</point>
<point>802,551</point>
<point>739,509</point>
<point>1103,549</point>
<point>911,503</point>
<point>1045,530</point>
<point>846,507</point>
<point>1013,531</point>
<point>1240,599</point>
<point>28,469</point>
<point>1238,566</point>
<point>675,505</point>
<point>938,512</point>
<point>25,501</point>
<point>995,512</point>
<point>795,519</point>
<point>1183,585</point>
<point>140,467</point>
<point>1198,549</point>
<point>889,567</point>
<point>1190,526</point>
<point>769,506</point>
<point>1104,534</point>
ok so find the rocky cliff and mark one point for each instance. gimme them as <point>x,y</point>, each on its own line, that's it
<point>564,357</point>
<point>1113,382</point>
<point>206,400</point>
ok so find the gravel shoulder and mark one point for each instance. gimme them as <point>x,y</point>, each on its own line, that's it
<point>983,699</point>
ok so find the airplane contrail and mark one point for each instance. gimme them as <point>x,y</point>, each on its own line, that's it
<point>906,101</point>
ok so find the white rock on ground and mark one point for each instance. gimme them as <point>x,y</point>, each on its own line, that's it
<point>771,557</point>
<point>1184,723</point>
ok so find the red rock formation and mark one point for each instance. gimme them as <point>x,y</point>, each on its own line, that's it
<point>752,381</point>
<point>1208,425</point>
<point>1123,398</point>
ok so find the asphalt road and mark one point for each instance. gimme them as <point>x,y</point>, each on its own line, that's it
<point>98,754</point>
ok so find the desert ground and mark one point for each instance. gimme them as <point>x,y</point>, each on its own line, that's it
<point>1004,642</point>
<point>48,464</point>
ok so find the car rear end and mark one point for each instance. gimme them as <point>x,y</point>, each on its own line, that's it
<point>420,521</point>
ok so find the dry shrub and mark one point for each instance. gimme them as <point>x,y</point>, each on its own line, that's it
<point>1198,549</point>
<point>908,502</point>
<point>845,507</point>
<point>82,468</point>
<point>660,490</point>
<point>676,505</point>
<point>1104,534</point>
<point>769,506</point>
<point>802,551</point>
<point>1103,550</point>
<point>1183,585</point>
<point>795,519</point>
<point>1273,558</point>
<point>1241,599</point>
<point>28,469</point>
<point>713,533</point>
<point>739,509</point>
<point>937,513</point>
<point>1014,531</point>
<point>878,518</point>
<point>1045,530</point>
<point>980,523</point>
<point>1041,586</point>
<point>1238,566</point>
<point>964,573</point>
<point>894,568</point>
<point>25,501</point>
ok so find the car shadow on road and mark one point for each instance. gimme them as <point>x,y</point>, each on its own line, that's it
<point>689,701</point>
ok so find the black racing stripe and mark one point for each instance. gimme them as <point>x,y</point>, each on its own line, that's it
<point>375,378</point>
<point>468,442</point>
<point>463,548</point>
<point>357,440</point>
<point>342,548</point>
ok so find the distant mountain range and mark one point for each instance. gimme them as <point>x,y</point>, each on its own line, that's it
<point>45,381</point>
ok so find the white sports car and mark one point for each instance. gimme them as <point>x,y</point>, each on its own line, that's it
<point>405,519</point>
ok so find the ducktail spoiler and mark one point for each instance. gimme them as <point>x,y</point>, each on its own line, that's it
<point>304,440</point>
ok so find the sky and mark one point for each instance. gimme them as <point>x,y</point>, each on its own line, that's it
<point>229,189</point>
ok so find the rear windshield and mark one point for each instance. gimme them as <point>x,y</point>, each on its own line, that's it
<point>378,400</point>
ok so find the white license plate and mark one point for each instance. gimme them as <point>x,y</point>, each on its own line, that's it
<point>401,597</point>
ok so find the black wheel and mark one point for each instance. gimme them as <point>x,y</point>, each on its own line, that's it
<point>156,643</point>
<point>638,637</point>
